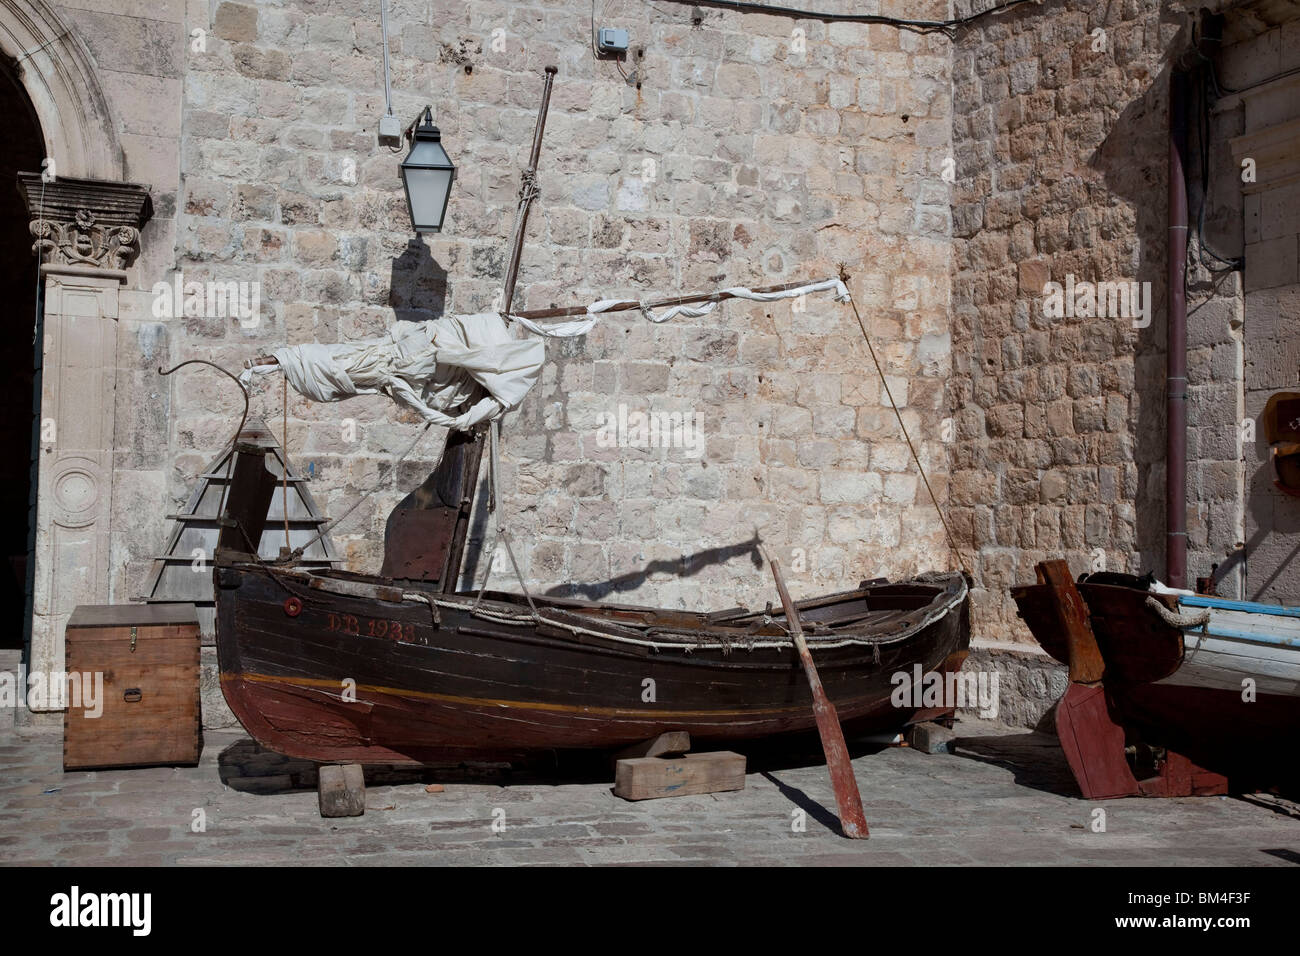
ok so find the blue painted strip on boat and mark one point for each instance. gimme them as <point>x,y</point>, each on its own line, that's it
<point>1290,643</point>
<point>1197,600</point>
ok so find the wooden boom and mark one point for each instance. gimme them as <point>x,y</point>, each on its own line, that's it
<point>625,306</point>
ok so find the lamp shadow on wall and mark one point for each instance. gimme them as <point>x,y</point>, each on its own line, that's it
<point>418,284</point>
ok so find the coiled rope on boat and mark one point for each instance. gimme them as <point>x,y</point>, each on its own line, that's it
<point>1174,619</point>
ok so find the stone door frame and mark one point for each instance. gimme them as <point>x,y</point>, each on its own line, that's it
<point>85,223</point>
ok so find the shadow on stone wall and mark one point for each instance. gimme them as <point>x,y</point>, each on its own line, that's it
<point>1132,162</point>
<point>682,567</point>
<point>418,284</point>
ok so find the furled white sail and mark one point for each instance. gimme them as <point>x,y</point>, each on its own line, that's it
<point>434,367</point>
<point>431,367</point>
<point>564,330</point>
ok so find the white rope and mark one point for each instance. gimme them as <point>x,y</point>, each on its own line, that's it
<point>686,641</point>
<point>1174,619</point>
<point>565,330</point>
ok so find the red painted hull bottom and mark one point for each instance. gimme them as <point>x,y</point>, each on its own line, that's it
<point>1183,741</point>
<point>279,717</point>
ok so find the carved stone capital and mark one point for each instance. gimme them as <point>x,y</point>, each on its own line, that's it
<point>84,222</point>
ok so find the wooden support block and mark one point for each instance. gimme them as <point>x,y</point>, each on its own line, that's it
<point>665,745</point>
<point>931,738</point>
<point>341,790</point>
<point>647,778</point>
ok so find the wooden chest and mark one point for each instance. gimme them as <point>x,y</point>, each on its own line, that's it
<point>147,656</point>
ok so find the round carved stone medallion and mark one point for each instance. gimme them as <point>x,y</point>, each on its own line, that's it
<point>75,492</point>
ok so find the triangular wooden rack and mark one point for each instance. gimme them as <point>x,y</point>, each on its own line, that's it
<point>175,578</point>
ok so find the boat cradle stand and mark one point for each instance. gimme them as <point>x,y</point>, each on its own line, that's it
<point>1095,744</point>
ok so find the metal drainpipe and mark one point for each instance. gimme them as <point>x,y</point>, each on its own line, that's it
<point>1176,343</point>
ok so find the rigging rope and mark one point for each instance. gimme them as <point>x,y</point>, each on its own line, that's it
<point>284,465</point>
<point>334,523</point>
<point>952,543</point>
<point>688,641</point>
<point>494,466</point>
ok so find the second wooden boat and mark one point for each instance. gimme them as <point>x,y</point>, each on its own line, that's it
<point>1199,694</point>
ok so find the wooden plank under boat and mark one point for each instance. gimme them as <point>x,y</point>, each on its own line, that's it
<point>1213,681</point>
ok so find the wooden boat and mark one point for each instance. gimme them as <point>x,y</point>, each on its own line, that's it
<point>335,666</point>
<point>341,667</point>
<point>1200,693</point>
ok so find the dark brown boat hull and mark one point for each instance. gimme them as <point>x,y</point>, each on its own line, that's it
<point>468,687</point>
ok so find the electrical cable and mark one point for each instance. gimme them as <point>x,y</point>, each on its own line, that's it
<point>596,53</point>
<point>947,27</point>
<point>1203,147</point>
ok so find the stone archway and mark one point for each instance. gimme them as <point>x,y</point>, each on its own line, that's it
<point>84,224</point>
<point>21,149</point>
<point>58,74</point>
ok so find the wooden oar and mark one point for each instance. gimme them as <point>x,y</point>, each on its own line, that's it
<point>852,820</point>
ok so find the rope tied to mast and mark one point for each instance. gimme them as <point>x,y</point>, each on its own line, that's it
<point>528,191</point>
<point>330,525</point>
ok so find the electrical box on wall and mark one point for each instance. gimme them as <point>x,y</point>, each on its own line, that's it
<point>611,42</point>
<point>390,130</point>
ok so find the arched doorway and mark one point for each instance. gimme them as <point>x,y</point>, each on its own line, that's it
<point>90,223</point>
<point>21,150</point>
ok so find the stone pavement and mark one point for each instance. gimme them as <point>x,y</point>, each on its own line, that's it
<point>1004,797</point>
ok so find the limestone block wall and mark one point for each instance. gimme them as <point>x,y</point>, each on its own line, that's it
<point>736,149</point>
<point>1059,134</point>
<point>743,149</point>
<point>1258,61</point>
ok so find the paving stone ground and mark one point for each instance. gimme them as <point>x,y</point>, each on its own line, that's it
<point>1005,797</point>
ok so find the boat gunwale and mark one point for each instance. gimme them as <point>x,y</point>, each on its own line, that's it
<point>951,591</point>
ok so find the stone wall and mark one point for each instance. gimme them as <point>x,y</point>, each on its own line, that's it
<point>750,152</point>
<point>737,149</point>
<point>1059,132</point>
<point>1263,120</point>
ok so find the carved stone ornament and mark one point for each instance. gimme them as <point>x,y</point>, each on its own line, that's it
<point>83,222</point>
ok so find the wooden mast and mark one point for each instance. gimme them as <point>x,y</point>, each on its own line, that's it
<point>527,192</point>
<point>424,538</point>
<point>474,454</point>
